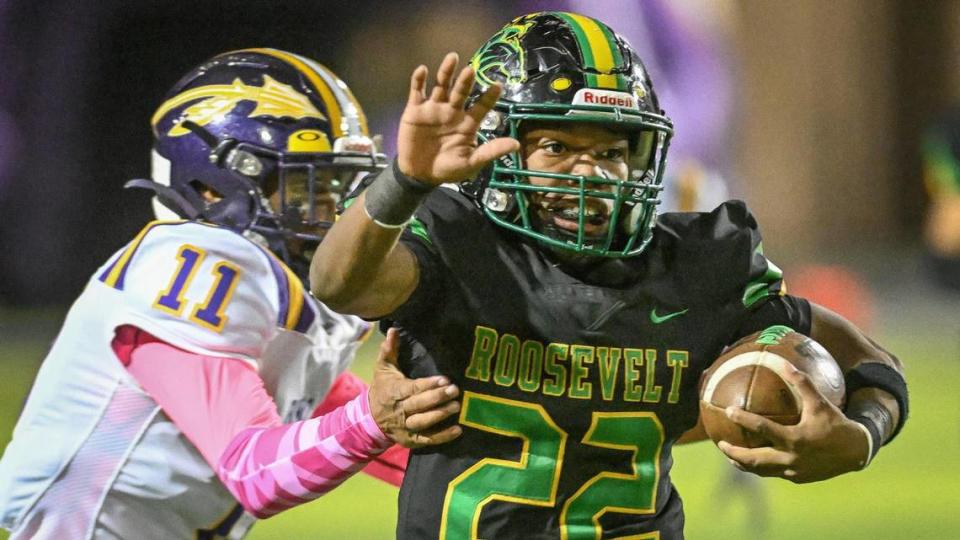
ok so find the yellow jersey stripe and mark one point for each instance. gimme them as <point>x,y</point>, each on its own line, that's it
<point>113,277</point>
<point>295,290</point>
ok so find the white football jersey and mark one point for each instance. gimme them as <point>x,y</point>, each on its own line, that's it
<point>93,456</point>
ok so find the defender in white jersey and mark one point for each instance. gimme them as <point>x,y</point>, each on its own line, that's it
<point>185,394</point>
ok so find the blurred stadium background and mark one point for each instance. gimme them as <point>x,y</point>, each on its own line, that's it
<point>812,111</point>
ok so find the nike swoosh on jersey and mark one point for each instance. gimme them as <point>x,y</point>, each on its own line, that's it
<point>657,319</point>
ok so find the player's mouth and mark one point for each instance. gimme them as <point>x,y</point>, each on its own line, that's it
<point>564,214</point>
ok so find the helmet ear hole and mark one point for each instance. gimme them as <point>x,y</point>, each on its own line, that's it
<point>207,193</point>
<point>236,212</point>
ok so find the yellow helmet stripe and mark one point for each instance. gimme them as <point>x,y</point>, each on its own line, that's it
<point>326,92</point>
<point>349,103</point>
<point>600,51</point>
<point>360,114</point>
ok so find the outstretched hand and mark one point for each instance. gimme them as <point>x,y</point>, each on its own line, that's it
<point>824,444</point>
<point>437,140</point>
<point>408,410</point>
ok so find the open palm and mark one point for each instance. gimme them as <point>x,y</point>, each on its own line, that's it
<point>437,140</point>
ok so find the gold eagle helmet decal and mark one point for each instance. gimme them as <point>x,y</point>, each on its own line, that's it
<point>273,99</point>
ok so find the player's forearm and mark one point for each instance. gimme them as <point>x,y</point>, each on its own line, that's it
<point>350,256</point>
<point>876,388</point>
<point>222,407</point>
<point>269,470</point>
<point>360,268</point>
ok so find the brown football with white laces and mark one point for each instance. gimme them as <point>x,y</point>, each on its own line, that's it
<point>749,375</point>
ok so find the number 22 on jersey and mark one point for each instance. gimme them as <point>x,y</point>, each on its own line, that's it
<point>534,478</point>
<point>210,312</point>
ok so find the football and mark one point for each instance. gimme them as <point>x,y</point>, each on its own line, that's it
<point>748,375</point>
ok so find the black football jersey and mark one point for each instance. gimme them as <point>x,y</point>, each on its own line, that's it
<point>575,383</point>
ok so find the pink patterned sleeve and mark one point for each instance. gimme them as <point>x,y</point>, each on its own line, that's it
<point>221,406</point>
<point>273,469</point>
<point>391,465</point>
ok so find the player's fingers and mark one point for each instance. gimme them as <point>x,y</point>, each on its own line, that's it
<point>759,425</point>
<point>402,387</point>
<point>444,77</point>
<point>427,419</point>
<point>491,150</point>
<point>435,436</point>
<point>810,397</point>
<point>418,82</point>
<point>429,398</point>
<point>765,461</point>
<point>482,106</point>
<point>406,388</point>
<point>757,457</point>
<point>800,477</point>
<point>461,88</point>
<point>766,472</point>
<point>389,349</point>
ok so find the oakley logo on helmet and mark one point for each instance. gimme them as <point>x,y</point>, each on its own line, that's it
<point>273,99</point>
<point>592,96</point>
<point>308,140</point>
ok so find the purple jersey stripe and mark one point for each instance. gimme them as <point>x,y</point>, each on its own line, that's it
<point>306,316</point>
<point>283,286</point>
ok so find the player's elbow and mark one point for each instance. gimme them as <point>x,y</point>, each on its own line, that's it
<point>328,286</point>
<point>337,296</point>
<point>350,302</point>
<point>355,292</point>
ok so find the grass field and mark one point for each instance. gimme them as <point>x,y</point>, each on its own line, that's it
<point>910,492</point>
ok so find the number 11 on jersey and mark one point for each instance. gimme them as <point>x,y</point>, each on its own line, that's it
<point>209,313</point>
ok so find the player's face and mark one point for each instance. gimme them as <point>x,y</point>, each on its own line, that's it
<point>581,149</point>
<point>296,197</point>
<point>293,204</point>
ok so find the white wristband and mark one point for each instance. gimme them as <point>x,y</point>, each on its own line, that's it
<point>869,444</point>
<point>382,224</point>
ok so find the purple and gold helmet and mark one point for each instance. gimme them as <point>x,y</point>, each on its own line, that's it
<point>261,141</point>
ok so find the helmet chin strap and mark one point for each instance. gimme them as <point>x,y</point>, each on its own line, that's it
<point>167,196</point>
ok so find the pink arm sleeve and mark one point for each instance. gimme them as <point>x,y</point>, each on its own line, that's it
<point>221,406</point>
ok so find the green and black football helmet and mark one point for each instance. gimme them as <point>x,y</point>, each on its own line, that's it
<point>564,67</point>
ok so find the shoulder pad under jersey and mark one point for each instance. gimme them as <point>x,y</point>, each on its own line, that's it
<point>206,288</point>
<point>719,253</point>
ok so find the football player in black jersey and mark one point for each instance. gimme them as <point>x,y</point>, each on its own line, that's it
<point>575,320</point>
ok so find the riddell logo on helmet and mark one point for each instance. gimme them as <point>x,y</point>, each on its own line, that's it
<point>592,96</point>
<point>600,99</point>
